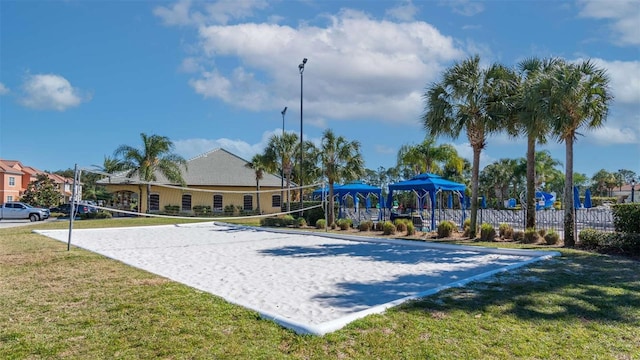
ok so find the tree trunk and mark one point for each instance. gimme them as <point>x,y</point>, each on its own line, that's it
<point>569,211</point>
<point>531,182</point>
<point>474,191</point>
<point>288,189</point>
<point>331,204</point>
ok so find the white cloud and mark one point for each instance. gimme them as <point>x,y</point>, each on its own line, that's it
<point>50,92</point>
<point>384,149</point>
<point>178,14</point>
<point>608,135</point>
<point>3,89</point>
<point>466,151</point>
<point>625,79</point>
<point>218,12</point>
<point>358,67</point>
<point>189,148</point>
<point>465,7</point>
<point>624,15</point>
<point>190,65</point>
<point>404,12</point>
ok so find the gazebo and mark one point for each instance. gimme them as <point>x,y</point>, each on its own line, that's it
<point>355,190</point>
<point>427,184</point>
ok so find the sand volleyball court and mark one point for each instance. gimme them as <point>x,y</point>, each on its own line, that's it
<point>310,283</point>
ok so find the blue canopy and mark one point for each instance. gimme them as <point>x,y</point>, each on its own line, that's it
<point>576,198</point>
<point>352,189</point>
<point>426,183</point>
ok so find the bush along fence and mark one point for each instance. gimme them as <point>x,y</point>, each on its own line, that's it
<point>625,240</point>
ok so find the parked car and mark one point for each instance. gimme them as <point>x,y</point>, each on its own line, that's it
<point>79,210</point>
<point>19,210</point>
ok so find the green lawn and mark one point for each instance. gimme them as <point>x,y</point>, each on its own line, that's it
<point>77,304</point>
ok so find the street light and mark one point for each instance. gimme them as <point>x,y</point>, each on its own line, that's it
<point>633,189</point>
<point>284,111</point>
<point>301,69</point>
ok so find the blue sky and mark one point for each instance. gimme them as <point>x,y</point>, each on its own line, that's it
<point>80,78</point>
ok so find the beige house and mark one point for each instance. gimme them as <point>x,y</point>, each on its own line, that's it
<point>216,172</point>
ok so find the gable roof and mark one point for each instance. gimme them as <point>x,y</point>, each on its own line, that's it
<point>6,166</point>
<point>217,167</point>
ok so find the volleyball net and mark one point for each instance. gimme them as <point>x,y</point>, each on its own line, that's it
<point>153,199</point>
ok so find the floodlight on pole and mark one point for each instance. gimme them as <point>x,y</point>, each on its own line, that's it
<point>283,112</point>
<point>301,70</point>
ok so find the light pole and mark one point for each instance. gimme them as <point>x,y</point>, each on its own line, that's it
<point>301,69</point>
<point>284,111</point>
<point>633,190</point>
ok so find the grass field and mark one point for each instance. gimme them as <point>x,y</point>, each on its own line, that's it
<point>77,304</point>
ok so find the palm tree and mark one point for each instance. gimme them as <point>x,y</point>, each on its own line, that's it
<point>259,165</point>
<point>532,120</point>
<point>472,99</point>
<point>579,97</point>
<point>341,161</point>
<point>311,173</point>
<point>155,156</point>
<point>498,177</point>
<point>545,168</point>
<point>427,157</point>
<point>280,153</point>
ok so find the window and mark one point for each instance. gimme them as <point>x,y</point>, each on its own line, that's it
<point>248,203</point>
<point>9,198</point>
<point>186,202</point>
<point>276,201</point>
<point>154,202</point>
<point>12,181</point>
<point>217,203</point>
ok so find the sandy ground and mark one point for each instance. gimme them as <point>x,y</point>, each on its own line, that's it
<point>306,282</point>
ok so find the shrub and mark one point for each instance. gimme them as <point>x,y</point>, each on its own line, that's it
<point>610,243</point>
<point>502,228</point>
<point>201,210</point>
<point>531,236</point>
<point>411,229</point>
<point>401,225</point>
<point>229,210</point>
<point>96,215</point>
<point>333,226</point>
<point>277,221</point>
<point>590,239</point>
<point>313,215</point>
<point>445,229</point>
<point>172,209</point>
<point>366,225</point>
<point>321,224</point>
<point>542,232</point>
<point>487,232</point>
<point>378,226</point>
<point>505,231</point>
<point>300,222</point>
<point>344,224</point>
<point>288,220</point>
<point>518,235</point>
<point>626,218</point>
<point>388,228</point>
<point>552,237</point>
<point>466,227</point>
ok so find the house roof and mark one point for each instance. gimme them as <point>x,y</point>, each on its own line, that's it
<point>217,167</point>
<point>6,166</point>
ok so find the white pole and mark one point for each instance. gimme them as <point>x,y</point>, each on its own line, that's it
<point>73,205</point>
